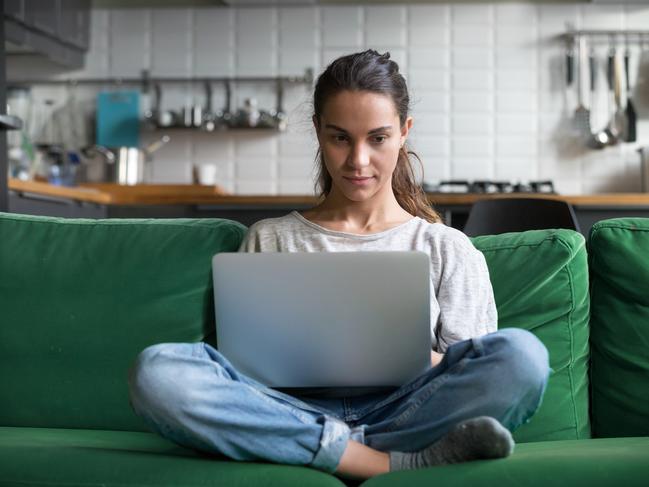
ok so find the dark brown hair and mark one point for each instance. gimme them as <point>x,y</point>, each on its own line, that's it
<point>374,72</point>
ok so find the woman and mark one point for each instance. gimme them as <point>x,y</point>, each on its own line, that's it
<point>483,383</point>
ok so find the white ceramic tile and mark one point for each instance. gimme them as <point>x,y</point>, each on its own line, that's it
<point>470,102</point>
<point>516,168</point>
<point>472,124</point>
<point>172,41</point>
<point>602,17</point>
<point>294,61</point>
<point>429,58</point>
<point>516,102</point>
<point>256,27</point>
<point>300,168</point>
<point>435,168</point>
<point>171,164</point>
<point>428,16</point>
<point>515,58</point>
<point>302,145</point>
<point>472,36</point>
<point>262,187</point>
<point>516,14</point>
<point>213,42</point>
<point>519,145</point>
<point>472,80</point>
<point>553,168</point>
<point>472,146</point>
<point>296,187</point>
<point>636,16</point>
<point>472,58</point>
<point>298,27</point>
<point>430,102</point>
<point>516,79</point>
<point>429,36</point>
<point>428,79</point>
<point>568,186</point>
<point>385,26</point>
<point>255,169</point>
<point>341,26</point>
<point>99,29</point>
<point>525,37</point>
<point>430,123</point>
<point>129,40</point>
<point>553,17</point>
<point>259,61</point>
<point>516,124</point>
<point>471,14</point>
<point>474,167</point>
<point>430,144</point>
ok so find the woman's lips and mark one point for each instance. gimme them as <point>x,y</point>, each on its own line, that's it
<point>359,181</point>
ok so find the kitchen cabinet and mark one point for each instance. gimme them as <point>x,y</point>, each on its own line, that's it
<point>57,29</point>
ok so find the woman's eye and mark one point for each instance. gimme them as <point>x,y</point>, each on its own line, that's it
<point>379,139</point>
<point>340,138</point>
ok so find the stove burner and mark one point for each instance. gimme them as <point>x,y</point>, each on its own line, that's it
<point>488,186</point>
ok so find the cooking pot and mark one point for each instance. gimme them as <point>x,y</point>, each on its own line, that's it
<point>126,165</point>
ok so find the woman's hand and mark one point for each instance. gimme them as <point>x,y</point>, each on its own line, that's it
<point>435,358</point>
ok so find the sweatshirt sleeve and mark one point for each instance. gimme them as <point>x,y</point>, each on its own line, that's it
<point>465,296</point>
<point>251,241</point>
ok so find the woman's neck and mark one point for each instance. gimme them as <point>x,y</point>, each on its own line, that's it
<point>344,215</point>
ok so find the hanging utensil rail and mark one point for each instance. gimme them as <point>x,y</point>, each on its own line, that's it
<point>572,35</point>
<point>146,80</point>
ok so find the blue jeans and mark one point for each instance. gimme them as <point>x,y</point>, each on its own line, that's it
<point>190,394</point>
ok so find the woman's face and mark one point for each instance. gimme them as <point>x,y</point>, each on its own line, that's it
<point>360,137</point>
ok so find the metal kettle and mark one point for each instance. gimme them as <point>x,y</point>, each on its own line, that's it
<point>126,165</point>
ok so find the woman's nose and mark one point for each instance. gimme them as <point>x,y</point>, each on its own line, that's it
<point>359,156</point>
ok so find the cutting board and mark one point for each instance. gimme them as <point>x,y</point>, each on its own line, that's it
<point>118,118</point>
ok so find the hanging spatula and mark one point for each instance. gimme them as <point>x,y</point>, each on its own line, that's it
<point>582,114</point>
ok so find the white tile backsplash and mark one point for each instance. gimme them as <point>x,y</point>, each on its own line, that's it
<point>486,81</point>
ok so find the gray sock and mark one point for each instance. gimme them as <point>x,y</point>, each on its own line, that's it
<point>474,439</point>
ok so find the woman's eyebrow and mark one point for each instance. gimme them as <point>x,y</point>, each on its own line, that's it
<point>373,131</point>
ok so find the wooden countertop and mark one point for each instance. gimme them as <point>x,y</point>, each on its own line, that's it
<point>187,194</point>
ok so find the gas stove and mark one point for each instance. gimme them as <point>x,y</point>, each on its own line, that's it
<point>488,186</point>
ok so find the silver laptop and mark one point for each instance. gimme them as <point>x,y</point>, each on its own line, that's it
<point>325,319</point>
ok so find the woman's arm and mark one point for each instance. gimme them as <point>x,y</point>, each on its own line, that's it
<point>435,358</point>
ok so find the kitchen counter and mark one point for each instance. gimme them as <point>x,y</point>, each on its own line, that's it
<point>195,201</point>
<point>166,194</point>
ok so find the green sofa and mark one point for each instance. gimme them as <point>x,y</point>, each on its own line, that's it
<point>80,298</point>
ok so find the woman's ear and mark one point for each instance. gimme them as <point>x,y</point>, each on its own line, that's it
<point>404,131</point>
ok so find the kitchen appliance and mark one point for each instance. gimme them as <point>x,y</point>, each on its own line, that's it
<point>126,165</point>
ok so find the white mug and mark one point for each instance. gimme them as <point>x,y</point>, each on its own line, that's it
<point>207,174</point>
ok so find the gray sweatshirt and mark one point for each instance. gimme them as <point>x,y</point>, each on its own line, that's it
<point>461,303</point>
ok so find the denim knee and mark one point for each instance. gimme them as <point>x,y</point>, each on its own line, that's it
<point>526,360</point>
<point>155,378</point>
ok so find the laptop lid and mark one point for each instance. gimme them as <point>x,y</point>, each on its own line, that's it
<point>324,319</point>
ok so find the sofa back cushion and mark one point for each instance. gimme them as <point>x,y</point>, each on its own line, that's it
<point>540,281</point>
<point>619,265</point>
<point>80,298</point>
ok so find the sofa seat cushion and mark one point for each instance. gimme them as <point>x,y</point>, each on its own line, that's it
<point>40,456</point>
<point>540,282</point>
<point>587,463</point>
<point>81,298</point>
<point>619,264</point>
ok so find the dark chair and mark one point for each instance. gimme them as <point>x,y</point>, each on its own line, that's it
<point>502,215</point>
